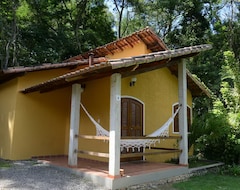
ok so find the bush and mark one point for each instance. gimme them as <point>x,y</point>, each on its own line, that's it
<point>231,170</point>
<point>215,139</point>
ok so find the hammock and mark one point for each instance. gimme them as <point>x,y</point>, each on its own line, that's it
<point>135,143</point>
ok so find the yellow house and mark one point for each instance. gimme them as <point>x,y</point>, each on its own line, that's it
<point>124,91</point>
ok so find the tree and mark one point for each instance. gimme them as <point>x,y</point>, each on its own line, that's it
<point>8,32</point>
<point>178,23</point>
<point>66,28</point>
<point>125,11</point>
<point>35,32</point>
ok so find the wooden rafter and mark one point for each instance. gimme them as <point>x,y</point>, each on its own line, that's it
<point>126,40</point>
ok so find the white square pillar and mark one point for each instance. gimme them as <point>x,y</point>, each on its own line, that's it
<point>74,124</point>
<point>182,98</point>
<point>115,125</point>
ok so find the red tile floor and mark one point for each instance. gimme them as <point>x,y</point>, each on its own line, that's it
<point>101,168</point>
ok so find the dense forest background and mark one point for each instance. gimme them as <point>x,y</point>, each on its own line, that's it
<point>33,32</point>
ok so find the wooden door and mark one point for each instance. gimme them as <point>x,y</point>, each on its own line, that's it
<point>131,122</point>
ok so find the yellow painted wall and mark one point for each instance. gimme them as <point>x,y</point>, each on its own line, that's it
<point>158,90</point>
<point>95,98</point>
<point>7,117</point>
<point>40,120</point>
<point>138,49</point>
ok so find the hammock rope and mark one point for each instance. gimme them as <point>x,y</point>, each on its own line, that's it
<point>163,131</point>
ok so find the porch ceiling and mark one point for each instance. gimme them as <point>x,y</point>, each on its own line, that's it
<point>127,67</point>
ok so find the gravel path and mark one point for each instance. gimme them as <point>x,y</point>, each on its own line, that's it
<point>31,175</point>
<point>24,175</point>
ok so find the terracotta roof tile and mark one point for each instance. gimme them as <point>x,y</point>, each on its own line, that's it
<point>160,59</point>
<point>13,72</point>
<point>147,36</point>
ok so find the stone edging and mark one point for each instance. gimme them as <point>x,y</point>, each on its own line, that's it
<point>207,167</point>
<point>191,172</point>
<point>196,172</point>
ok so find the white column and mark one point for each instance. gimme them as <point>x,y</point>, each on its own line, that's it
<point>182,97</point>
<point>115,125</point>
<point>74,124</point>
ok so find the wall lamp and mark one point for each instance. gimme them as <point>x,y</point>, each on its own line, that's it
<point>133,81</point>
<point>83,86</point>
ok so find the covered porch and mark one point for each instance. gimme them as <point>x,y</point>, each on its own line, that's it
<point>113,136</point>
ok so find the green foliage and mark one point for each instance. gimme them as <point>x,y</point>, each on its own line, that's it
<point>231,82</point>
<point>214,137</point>
<point>216,129</point>
<point>179,23</point>
<point>8,32</point>
<point>5,163</point>
<point>233,170</point>
<point>34,32</point>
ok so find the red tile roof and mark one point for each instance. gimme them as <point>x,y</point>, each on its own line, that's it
<point>126,66</point>
<point>147,36</point>
<point>13,72</point>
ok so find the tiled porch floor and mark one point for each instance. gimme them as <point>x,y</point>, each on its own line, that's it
<point>101,168</point>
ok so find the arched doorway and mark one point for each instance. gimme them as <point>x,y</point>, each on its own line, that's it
<point>131,122</point>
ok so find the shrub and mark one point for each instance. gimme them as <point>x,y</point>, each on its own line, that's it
<point>215,139</point>
<point>231,170</point>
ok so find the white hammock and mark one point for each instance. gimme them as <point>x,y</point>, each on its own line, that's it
<point>135,143</point>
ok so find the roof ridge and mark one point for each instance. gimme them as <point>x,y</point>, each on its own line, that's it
<point>146,35</point>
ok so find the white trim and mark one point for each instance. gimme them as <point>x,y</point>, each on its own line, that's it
<point>177,103</point>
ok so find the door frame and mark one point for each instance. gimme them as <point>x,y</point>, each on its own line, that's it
<point>143,114</point>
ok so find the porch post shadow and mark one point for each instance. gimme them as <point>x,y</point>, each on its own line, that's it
<point>74,125</point>
<point>115,125</point>
<point>182,98</point>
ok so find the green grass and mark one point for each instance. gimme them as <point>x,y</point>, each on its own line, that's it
<point>210,182</point>
<point>5,164</point>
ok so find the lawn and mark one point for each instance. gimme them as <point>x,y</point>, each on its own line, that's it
<point>210,182</point>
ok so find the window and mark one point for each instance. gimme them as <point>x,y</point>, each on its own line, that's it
<point>176,124</point>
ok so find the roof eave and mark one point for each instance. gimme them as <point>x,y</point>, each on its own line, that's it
<point>143,63</point>
<point>203,88</point>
